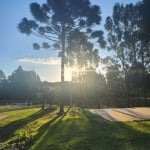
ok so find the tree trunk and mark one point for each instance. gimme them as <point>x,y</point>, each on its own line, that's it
<point>43,104</point>
<point>144,78</point>
<point>98,104</point>
<point>61,110</point>
<point>126,87</point>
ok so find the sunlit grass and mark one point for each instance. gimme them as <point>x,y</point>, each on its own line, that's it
<point>4,108</point>
<point>75,130</point>
<point>22,124</point>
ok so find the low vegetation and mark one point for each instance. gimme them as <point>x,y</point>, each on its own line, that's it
<point>34,129</point>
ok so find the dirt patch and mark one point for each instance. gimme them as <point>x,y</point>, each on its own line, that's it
<point>3,117</point>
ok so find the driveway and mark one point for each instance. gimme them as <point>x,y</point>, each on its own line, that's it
<point>123,114</point>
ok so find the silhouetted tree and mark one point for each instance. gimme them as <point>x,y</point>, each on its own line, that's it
<point>147,86</point>
<point>55,20</point>
<point>2,78</point>
<point>144,13</point>
<point>2,84</point>
<point>47,93</point>
<point>23,85</point>
<point>128,36</point>
<point>94,87</point>
<point>2,75</point>
<point>143,7</point>
<point>80,50</point>
<point>88,87</point>
<point>115,84</point>
<point>125,37</point>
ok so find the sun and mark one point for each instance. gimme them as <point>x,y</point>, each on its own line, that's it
<point>69,72</point>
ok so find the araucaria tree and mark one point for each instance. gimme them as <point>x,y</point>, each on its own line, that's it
<point>56,19</point>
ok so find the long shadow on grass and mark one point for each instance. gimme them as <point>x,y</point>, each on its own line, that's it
<point>71,133</point>
<point>47,130</point>
<point>74,132</point>
<point>117,135</point>
<point>138,135</point>
<point>7,131</point>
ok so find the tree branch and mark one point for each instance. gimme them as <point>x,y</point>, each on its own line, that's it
<point>43,36</point>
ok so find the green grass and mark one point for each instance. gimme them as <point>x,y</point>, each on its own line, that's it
<point>75,130</point>
<point>5,108</point>
<point>22,124</point>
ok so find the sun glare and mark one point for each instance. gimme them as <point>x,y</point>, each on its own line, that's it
<point>68,74</point>
<point>70,70</point>
<point>101,70</point>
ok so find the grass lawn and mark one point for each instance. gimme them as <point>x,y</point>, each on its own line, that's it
<point>76,130</point>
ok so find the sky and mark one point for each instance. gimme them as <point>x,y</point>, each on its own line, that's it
<point>16,48</point>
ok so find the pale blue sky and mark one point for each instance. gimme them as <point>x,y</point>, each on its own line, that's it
<point>16,48</point>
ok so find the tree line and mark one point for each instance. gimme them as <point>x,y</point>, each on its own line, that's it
<point>26,87</point>
<point>87,89</point>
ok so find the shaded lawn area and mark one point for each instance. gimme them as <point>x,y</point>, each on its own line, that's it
<point>78,130</point>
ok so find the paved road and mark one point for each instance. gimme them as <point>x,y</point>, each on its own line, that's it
<point>123,114</point>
